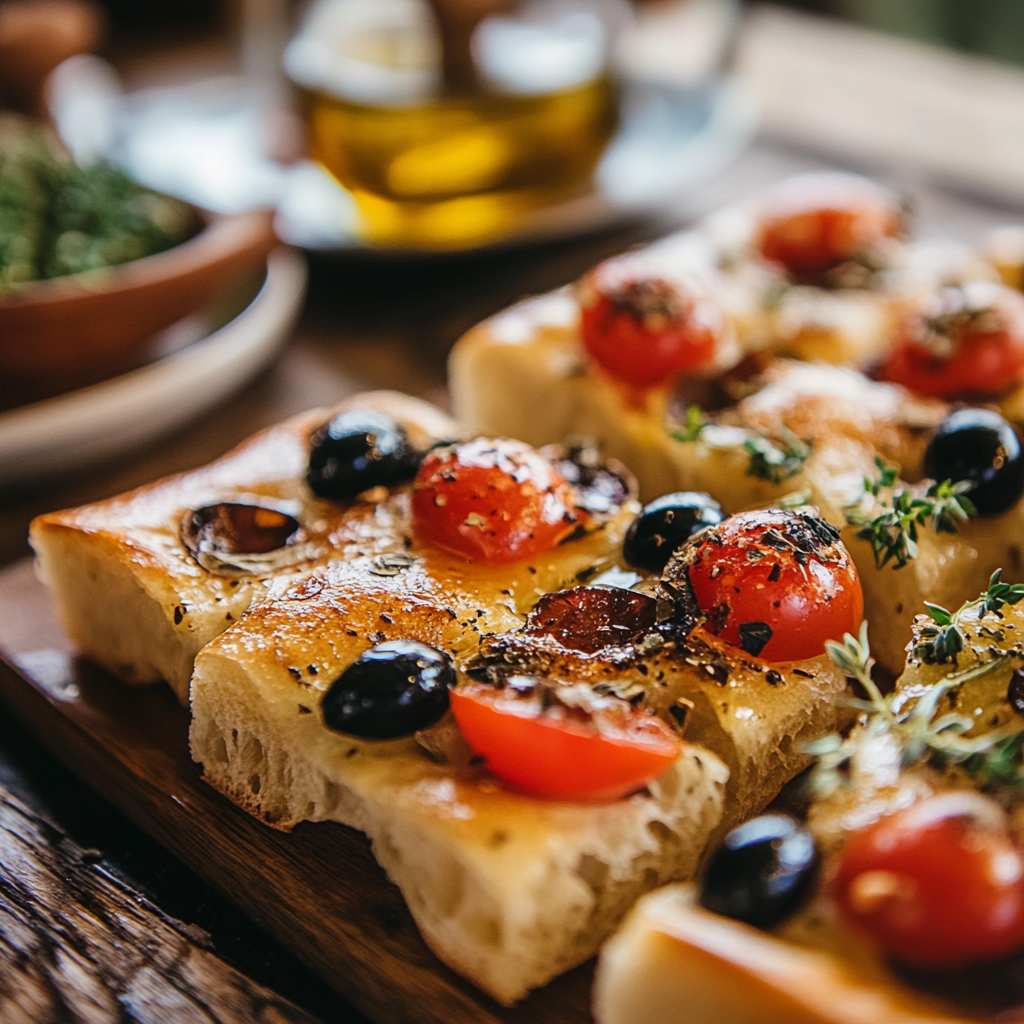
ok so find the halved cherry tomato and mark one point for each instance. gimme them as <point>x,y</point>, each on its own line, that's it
<point>777,584</point>
<point>814,222</point>
<point>939,884</point>
<point>556,752</point>
<point>644,325</point>
<point>491,501</point>
<point>966,341</point>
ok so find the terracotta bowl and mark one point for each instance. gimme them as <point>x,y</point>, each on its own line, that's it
<point>75,330</point>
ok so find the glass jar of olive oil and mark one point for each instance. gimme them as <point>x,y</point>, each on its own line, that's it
<point>437,163</point>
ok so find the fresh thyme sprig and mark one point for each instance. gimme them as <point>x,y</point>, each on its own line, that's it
<point>890,515</point>
<point>771,459</point>
<point>943,638</point>
<point>921,733</point>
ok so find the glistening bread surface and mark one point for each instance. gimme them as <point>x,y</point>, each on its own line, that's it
<point>507,889</point>
<point>130,595</point>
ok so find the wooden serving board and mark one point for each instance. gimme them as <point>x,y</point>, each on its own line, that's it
<point>318,889</point>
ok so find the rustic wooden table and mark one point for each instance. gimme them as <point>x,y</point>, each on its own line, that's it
<point>98,922</point>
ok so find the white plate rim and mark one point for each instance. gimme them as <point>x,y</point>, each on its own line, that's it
<point>83,427</point>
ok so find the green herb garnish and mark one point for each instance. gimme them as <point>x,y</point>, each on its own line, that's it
<point>778,460</point>
<point>692,429</point>
<point>921,734</point>
<point>945,639</point>
<point>771,459</point>
<point>894,513</point>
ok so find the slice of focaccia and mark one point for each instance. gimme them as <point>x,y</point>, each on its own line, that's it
<point>509,889</point>
<point>916,913</point>
<point>133,598</point>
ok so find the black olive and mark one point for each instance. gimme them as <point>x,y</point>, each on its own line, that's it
<point>233,528</point>
<point>762,872</point>
<point>980,446</point>
<point>356,451</point>
<point>665,524</point>
<point>392,690</point>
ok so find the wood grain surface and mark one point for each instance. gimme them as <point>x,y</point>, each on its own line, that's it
<point>78,945</point>
<point>318,890</point>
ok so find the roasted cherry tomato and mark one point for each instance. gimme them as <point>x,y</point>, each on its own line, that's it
<point>491,501</point>
<point>644,324</point>
<point>777,584</point>
<point>939,884</point>
<point>543,747</point>
<point>960,342</point>
<point>815,222</point>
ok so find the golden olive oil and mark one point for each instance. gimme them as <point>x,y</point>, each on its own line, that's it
<point>460,170</point>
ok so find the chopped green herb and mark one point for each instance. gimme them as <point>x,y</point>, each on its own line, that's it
<point>695,423</point>
<point>779,460</point>
<point>57,218</point>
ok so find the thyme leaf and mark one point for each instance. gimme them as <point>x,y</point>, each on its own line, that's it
<point>776,460</point>
<point>771,459</point>
<point>920,732</point>
<point>944,640</point>
<point>890,515</point>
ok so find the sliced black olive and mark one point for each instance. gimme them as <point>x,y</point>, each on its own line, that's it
<point>233,528</point>
<point>356,451</point>
<point>602,485</point>
<point>980,446</point>
<point>665,524</point>
<point>392,690</point>
<point>763,871</point>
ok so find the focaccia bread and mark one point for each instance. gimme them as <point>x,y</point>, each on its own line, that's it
<point>916,912</point>
<point>770,429</point>
<point>508,887</point>
<point>135,601</point>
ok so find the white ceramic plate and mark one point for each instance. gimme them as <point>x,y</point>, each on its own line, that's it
<point>83,427</point>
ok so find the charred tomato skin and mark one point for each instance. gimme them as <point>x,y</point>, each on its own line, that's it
<point>644,324</point>
<point>938,884</point>
<point>496,501</point>
<point>980,446</point>
<point>762,873</point>
<point>965,342</point>
<point>814,222</point>
<point>666,523</point>
<point>558,753</point>
<point>776,584</point>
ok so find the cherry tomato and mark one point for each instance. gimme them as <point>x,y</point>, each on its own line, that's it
<point>549,750</point>
<point>814,222</point>
<point>964,342</point>
<point>777,584</point>
<point>491,501</point>
<point>643,325</point>
<point>939,884</point>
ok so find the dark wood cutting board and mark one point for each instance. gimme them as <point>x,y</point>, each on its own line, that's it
<point>318,889</point>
